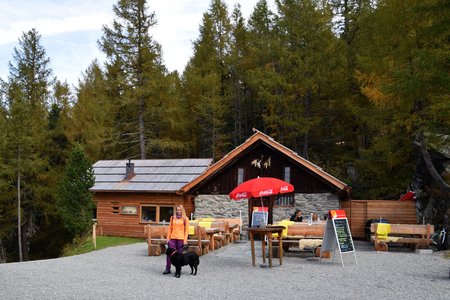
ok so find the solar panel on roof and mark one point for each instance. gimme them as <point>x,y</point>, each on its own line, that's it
<point>165,175</point>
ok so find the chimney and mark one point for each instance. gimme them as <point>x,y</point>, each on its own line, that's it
<point>129,170</point>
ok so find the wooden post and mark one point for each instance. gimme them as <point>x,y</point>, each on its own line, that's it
<point>199,237</point>
<point>94,235</point>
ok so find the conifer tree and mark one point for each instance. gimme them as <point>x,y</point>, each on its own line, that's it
<point>27,97</point>
<point>93,115</point>
<point>403,73</point>
<point>207,83</point>
<point>74,200</point>
<point>310,66</point>
<point>239,98</point>
<point>137,74</point>
<point>263,72</point>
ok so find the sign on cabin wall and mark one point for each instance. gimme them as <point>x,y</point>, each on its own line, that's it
<point>129,210</point>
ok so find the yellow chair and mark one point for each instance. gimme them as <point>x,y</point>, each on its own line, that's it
<point>276,234</point>
<point>192,225</point>
<point>286,224</point>
<point>383,230</point>
<point>204,224</point>
<point>207,219</point>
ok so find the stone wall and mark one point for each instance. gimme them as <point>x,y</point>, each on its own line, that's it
<point>220,206</point>
<point>308,203</point>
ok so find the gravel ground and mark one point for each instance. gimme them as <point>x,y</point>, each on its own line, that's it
<point>126,272</point>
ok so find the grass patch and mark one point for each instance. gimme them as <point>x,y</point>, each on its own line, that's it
<point>85,245</point>
<point>447,254</point>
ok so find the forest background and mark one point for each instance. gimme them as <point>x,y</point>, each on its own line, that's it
<point>360,88</point>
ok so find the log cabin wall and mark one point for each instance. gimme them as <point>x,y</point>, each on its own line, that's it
<point>264,161</point>
<point>116,215</point>
<point>396,212</point>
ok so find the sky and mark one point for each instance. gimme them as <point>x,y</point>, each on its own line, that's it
<point>70,30</point>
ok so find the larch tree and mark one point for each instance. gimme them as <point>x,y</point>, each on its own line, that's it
<point>206,83</point>
<point>403,72</point>
<point>238,87</point>
<point>93,115</point>
<point>310,65</point>
<point>263,73</point>
<point>27,98</point>
<point>8,207</point>
<point>136,74</point>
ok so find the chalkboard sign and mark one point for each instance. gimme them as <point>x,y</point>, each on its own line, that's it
<point>259,218</point>
<point>343,235</point>
<point>337,235</point>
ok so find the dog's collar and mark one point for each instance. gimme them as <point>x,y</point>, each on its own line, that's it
<point>173,253</point>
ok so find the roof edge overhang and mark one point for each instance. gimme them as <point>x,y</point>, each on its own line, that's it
<point>259,136</point>
<point>133,191</point>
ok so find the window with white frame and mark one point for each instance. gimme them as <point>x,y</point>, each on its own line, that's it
<point>285,200</point>
<point>240,176</point>
<point>287,174</point>
<point>156,213</point>
<point>148,213</point>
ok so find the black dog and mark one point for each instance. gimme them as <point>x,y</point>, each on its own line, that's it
<point>179,260</point>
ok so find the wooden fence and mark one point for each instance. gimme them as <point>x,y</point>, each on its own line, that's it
<point>359,211</point>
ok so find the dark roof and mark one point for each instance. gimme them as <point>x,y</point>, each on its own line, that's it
<point>151,175</point>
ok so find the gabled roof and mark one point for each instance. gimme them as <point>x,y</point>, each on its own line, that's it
<point>257,137</point>
<point>151,175</point>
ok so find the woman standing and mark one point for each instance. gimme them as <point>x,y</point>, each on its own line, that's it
<point>177,233</point>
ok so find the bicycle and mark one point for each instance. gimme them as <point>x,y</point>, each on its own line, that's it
<point>439,238</point>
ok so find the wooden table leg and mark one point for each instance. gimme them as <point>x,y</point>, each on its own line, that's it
<point>280,248</point>
<point>263,245</point>
<point>211,242</point>
<point>252,243</point>
<point>269,238</point>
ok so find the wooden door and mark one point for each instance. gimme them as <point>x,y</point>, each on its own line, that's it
<point>258,202</point>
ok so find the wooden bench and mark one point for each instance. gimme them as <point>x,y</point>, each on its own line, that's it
<point>224,236</point>
<point>157,240</point>
<point>217,232</point>
<point>234,227</point>
<point>302,236</point>
<point>198,242</point>
<point>413,236</point>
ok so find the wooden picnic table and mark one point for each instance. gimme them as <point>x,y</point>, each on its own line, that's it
<point>263,232</point>
<point>210,232</point>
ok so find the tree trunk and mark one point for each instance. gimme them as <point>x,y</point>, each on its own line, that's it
<point>307,100</point>
<point>142,129</point>
<point>19,212</point>
<point>305,146</point>
<point>25,253</point>
<point>429,164</point>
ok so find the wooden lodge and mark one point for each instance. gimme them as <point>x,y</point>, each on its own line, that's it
<point>132,194</point>
<point>260,155</point>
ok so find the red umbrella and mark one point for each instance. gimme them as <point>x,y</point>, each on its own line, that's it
<point>261,187</point>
